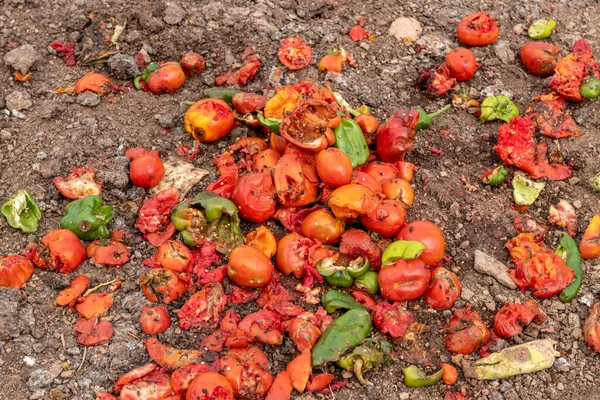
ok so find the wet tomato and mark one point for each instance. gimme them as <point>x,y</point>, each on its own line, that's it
<point>167,78</point>
<point>91,332</point>
<point>146,171</point>
<point>192,63</point>
<point>352,200</point>
<point>266,160</point>
<point>466,332</point>
<point>62,251</point>
<point>155,320</point>
<point>208,386</point>
<point>173,255</point>
<point>369,125</point>
<point>322,226</point>
<point>591,327</point>
<point>399,189</point>
<point>294,252</point>
<point>357,243</point>
<point>79,183</point>
<point>590,242</point>
<point>462,64</point>
<point>249,267</point>
<point>387,219</point>
<point>247,370</point>
<point>154,217</point>
<point>15,270</point>
<point>393,319</point>
<point>334,167</point>
<point>108,252</point>
<point>203,309</point>
<point>443,290</point>
<point>262,239</point>
<point>285,100</point>
<point>332,62</point>
<point>478,29</point>
<point>208,120</point>
<point>382,172</point>
<point>428,234</point>
<point>405,280</point>
<point>294,53</point>
<point>94,82</point>
<point>75,289</point>
<point>295,181</point>
<point>306,126</point>
<point>161,285</point>
<point>246,103</point>
<point>540,58</point>
<point>94,305</point>
<point>254,195</point>
<point>510,320</point>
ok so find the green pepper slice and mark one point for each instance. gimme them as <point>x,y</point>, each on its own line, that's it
<point>350,139</point>
<point>569,251</point>
<point>22,212</point>
<point>333,300</point>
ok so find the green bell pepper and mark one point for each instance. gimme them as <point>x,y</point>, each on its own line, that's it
<point>22,212</point>
<point>350,139</point>
<point>225,94</point>
<point>87,218</point>
<point>526,191</point>
<point>495,177</point>
<point>405,249</point>
<point>414,377</point>
<point>369,282</point>
<point>146,72</point>
<point>369,355</point>
<point>425,120</point>
<point>498,107</point>
<point>541,29</point>
<point>209,217</point>
<point>344,333</point>
<point>269,123</point>
<point>569,251</point>
<point>333,300</point>
<point>341,269</point>
<point>590,89</point>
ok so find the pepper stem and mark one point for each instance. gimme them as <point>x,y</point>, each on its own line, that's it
<point>358,372</point>
<point>441,110</point>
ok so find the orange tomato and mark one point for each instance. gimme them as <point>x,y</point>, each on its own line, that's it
<point>161,285</point>
<point>210,385</point>
<point>282,103</point>
<point>294,53</point>
<point>295,181</point>
<point>75,289</point>
<point>430,235</point>
<point>399,189</point>
<point>352,200</point>
<point>478,29</point>
<point>173,255</point>
<point>281,389</point>
<point>462,64</point>
<point>590,242</point>
<point>321,225</point>
<point>94,305</point>
<point>277,143</point>
<point>108,252</point>
<point>307,125</point>
<point>167,78</point>
<point>443,290</point>
<point>366,180</point>
<point>208,120</point>
<point>66,251</point>
<point>294,251</point>
<point>15,270</point>
<point>299,370</point>
<point>266,160</point>
<point>249,267</point>
<point>334,167</point>
<point>155,320</point>
<point>94,82</point>
<point>332,63</point>
<point>382,172</point>
<point>450,374</point>
<point>405,170</point>
<point>262,239</point>
<point>369,125</point>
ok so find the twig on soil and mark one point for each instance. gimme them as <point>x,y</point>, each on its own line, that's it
<point>82,359</point>
<point>62,340</point>
<point>101,285</point>
<point>132,335</point>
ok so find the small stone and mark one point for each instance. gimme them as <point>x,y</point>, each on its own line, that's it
<point>577,204</point>
<point>560,386</point>
<point>22,58</point>
<point>166,120</point>
<point>89,99</point>
<point>18,100</point>
<point>488,265</point>
<point>67,374</point>
<point>50,168</point>
<point>504,52</point>
<point>466,294</point>
<point>174,14</point>
<point>562,365</point>
<point>39,378</point>
<point>406,29</point>
<point>587,299</point>
<point>518,29</point>
<point>574,181</point>
<point>123,66</point>
<point>490,305</point>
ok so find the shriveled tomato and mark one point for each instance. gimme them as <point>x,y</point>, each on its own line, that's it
<point>395,138</point>
<point>203,309</point>
<point>246,103</point>
<point>92,332</point>
<point>294,53</point>
<point>94,82</point>
<point>478,29</point>
<point>161,285</point>
<point>75,289</point>
<point>405,280</point>
<point>352,200</point>
<point>436,81</point>
<point>322,226</point>
<point>167,78</point>
<point>265,161</point>
<point>108,252</point>
<point>527,223</point>
<point>263,326</point>
<point>155,320</point>
<point>387,219</point>
<point>173,255</point>
<point>285,100</point>
<point>466,332</point>
<point>62,251</point>
<point>540,58</point>
<point>334,167</point>
<point>208,386</point>
<point>510,320</point>
<point>15,270</point>
<point>192,63</point>
<point>303,331</point>
<point>295,252</point>
<point>381,172</point>
<point>262,239</point>
<point>399,189</point>
<point>591,327</point>
<point>306,126</point>
<point>392,318</point>
<point>357,243</point>
<point>155,385</point>
<point>369,125</point>
<point>249,267</point>
<point>170,357</point>
<point>254,195</point>
<point>405,170</point>
<point>247,370</point>
<point>94,305</point>
<point>79,183</point>
<point>571,71</point>
<point>332,62</point>
<point>208,120</point>
<point>428,234</point>
<point>443,290</point>
<point>154,217</point>
<point>590,242</point>
<point>295,181</point>
<point>146,171</point>
<point>366,180</point>
<point>462,64</point>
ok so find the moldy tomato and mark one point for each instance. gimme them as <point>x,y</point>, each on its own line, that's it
<point>428,234</point>
<point>462,64</point>
<point>294,53</point>
<point>306,127</point>
<point>208,120</point>
<point>167,78</point>
<point>155,320</point>
<point>540,58</point>
<point>161,285</point>
<point>478,29</point>
<point>466,332</point>
<point>192,63</point>
<point>247,370</point>
<point>249,267</point>
<point>322,226</point>
<point>173,255</point>
<point>334,167</point>
<point>254,195</point>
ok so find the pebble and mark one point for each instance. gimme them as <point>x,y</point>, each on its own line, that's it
<point>560,386</point>
<point>488,265</point>
<point>466,294</point>
<point>503,51</point>
<point>562,365</point>
<point>18,100</point>
<point>174,14</point>
<point>123,66</point>
<point>39,378</point>
<point>406,29</point>
<point>88,99</point>
<point>518,29</point>
<point>22,58</point>
<point>166,120</point>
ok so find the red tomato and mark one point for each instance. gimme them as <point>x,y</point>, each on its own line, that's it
<point>209,385</point>
<point>203,309</point>
<point>294,53</point>
<point>331,62</point>
<point>63,252</point>
<point>399,189</point>
<point>462,64</point>
<point>387,219</point>
<point>94,82</point>
<point>208,120</point>
<point>146,171</point>
<point>167,78</point>
<point>357,243</point>
<point>249,267</point>
<point>466,332</point>
<point>510,320</point>
<point>428,234</point>
<point>154,217</point>
<point>405,170</point>
<point>254,195</point>
<point>591,327</point>
<point>134,152</point>
<point>266,160</point>
<point>478,29</point>
<point>405,280</point>
<point>392,318</point>
<point>294,251</point>
<point>75,289</point>
<point>395,138</point>
<point>303,332</point>
<point>15,270</point>
<point>161,285</point>
<point>246,103</point>
<point>155,320</point>
<point>352,200</point>
<point>79,183</point>
<point>366,180</point>
<point>334,167</point>
<point>358,33</point>
<point>295,181</point>
<point>322,226</point>
<point>263,326</point>
<point>306,127</point>
<point>91,332</point>
<point>277,143</point>
<point>173,255</point>
<point>108,252</point>
<point>192,63</point>
<point>262,239</point>
<point>382,172</point>
<point>443,290</point>
<point>248,372</point>
<point>540,58</point>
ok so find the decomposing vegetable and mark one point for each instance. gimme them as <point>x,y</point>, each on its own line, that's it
<point>368,281</point>
<point>395,138</point>
<point>590,242</point>
<point>510,320</point>
<point>79,183</point>
<point>478,29</point>
<point>425,120</point>
<point>87,218</point>
<point>495,177</point>
<point>436,81</point>
<point>428,234</point>
<point>15,270</point>
<point>22,212</point>
<point>498,107</point>
<point>541,29</point>
<point>249,267</point>
<point>443,290</point>
<point>306,127</point>
<point>371,354</point>
<point>208,120</point>
<point>462,64</point>
<point>540,58</point>
<point>334,300</point>
<point>294,53</point>
<point>568,251</point>
<point>108,252</point>
<point>526,191</point>
<point>591,327</point>
<point>350,139</point>
<point>340,269</point>
<point>415,377</point>
<point>549,113</point>
<point>154,320</point>
<point>590,87</point>
<point>466,331</point>
<point>563,215</point>
<point>154,217</point>
<point>573,70</point>
<point>61,250</point>
<point>404,280</point>
<point>393,319</point>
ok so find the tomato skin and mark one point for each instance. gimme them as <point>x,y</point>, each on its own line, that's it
<point>75,289</point>
<point>590,242</point>
<point>306,127</point>
<point>331,63</point>
<point>294,251</point>
<point>209,384</point>
<point>161,285</point>
<point>334,167</point>
<point>478,29</point>
<point>286,99</point>
<point>277,143</point>
<point>254,195</point>
<point>173,255</point>
<point>192,63</point>
<point>262,239</point>
<point>369,125</point>
<point>146,171</point>
<point>155,320</point>
<point>462,64</point>
<point>540,58</point>
<point>510,320</point>
<point>405,280</point>
<point>266,160</point>
<point>94,82</point>
<point>108,252</point>
<point>209,120</point>
<point>79,183</point>
<point>249,267</point>
<point>381,172</point>
<point>352,200</point>
<point>246,103</point>
<point>167,78</point>
<point>443,290</point>
<point>366,180</point>
<point>322,226</point>
<point>394,140</point>
<point>399,189</point>
<point>387,219</point>
<point>66,251</point>
<point>428,234</point>
<point>15,270</point>
<point>294,53</point>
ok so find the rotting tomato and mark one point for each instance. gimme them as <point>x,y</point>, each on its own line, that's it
<point>332,63</point>
<point>334,167</point>
<point>94,82</point>
<point>167,78</point>
<point>91,332</point>
<point>285,100</point>
<point>296,253</point>
<point>443,290</point>
<point>366,180</point>
<point>133,375</point>
<point>155,385</point>
<point>510,320</point>
<point>405,170</point>
<point>203,309</point>
<point>134,152</point>
<point>209,120</point>
<point>170,357</point>
<point>76,288</point>
<point>399,189</point>
<point>173,255</point>
<point>393,319</point>
<point>387,219</point>
<point>108,252</point>
<point>154,217</point>
<point>161,285</point>
<point>564,216</point>
<point>358,33</point>
<point>571,70</point>
<point>548,111</point>
<point>540,58</point>
<point>242,296</point>
<point>522,247</point>
<point>246,103</point>
<point>94,305</point>
<point>192,63</point>
<point>155,320</point>
<point>263,326</point>
<point>303,331</point>
<point>146,171</point>
<point>591,327</point>
<point>526,223</point>
<point>380,171</point>
<point>294,53</point>
<point>79,183</point>
<point>254,196</point>
<point>322,226</point>
<point>292,217</point>
<point>262,239</point>
<point>61,251</point>
<point>15,270</point>
<point>249,267</point>
<point>295,181</point>
<point>266,160</point>
<point>436,81</point>
<point>466,332</point>
<point>245,74</point>
<point>306,126</point>
<point>209,385</point>
<point>462,64</point>
<point>478,29</point>
<point>299,370</point>
<point>450,375</point>
<point>590,242</point>
<point>357,243</point>
<point>352,200</point>
<point>182,377</point>
<point>369,125</point>
<point>247,370</point>
<point>405,280</point>
<point>430,235</point>
<point>395,138</point>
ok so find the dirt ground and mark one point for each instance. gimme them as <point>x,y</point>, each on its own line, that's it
<point>39,358</point>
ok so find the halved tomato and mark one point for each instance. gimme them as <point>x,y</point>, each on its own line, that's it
<point>294,53</point>
<point>306,127</point>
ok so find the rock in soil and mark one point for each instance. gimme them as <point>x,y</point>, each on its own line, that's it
<point>488,265</point>
<point>123,66</point>
<point>19,100</point>
<point>406,29</point>
<point>22,58</point>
